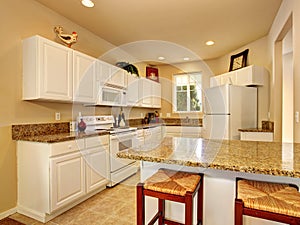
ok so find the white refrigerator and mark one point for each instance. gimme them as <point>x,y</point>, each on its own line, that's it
<point>228,108</point>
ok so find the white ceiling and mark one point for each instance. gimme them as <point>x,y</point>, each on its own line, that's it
<point>174,29</point>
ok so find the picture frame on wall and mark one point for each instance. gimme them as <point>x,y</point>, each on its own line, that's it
<point>152,74</point>
<point>238,60</point>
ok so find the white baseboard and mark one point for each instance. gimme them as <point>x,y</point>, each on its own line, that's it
<point>8,213</point>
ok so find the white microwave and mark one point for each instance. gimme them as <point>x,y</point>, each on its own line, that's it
<point>112,96</point>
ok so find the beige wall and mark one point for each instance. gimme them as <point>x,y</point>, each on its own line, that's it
<point>21,19</point>
<point>258,55</point>
<point>289,8</point>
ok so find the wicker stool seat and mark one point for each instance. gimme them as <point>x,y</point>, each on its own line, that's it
<point>171,185</point>
<point>271,201</point>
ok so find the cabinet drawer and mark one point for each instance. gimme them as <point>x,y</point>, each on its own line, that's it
<point>96,141</point>
<point>66,147</point>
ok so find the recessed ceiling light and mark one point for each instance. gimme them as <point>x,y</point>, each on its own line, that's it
<point>186,58</point>
<point>210,43</point>
<point>88,3</point>
<point>161,58</point>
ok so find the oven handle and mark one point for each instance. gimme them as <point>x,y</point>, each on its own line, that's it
<point>118,136</point>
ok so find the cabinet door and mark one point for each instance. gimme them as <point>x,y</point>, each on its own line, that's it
<point>96,168</point>
<point>145,87</point>
<point>229,78</point>
<point>215,81</point>
<point>132,90</point>
<point>104,72</point>
<point>67,179</point>
<point>156,94</point>
<point>55,71</point>
<point>85,84</point>
<point>117,77</point>
<point>251,75</point>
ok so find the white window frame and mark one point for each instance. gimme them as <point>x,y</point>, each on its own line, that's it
<point>174,92</point>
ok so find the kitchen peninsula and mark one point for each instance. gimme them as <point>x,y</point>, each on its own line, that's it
<point>221,162</point>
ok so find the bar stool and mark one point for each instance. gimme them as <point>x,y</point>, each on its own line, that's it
<point>272,201</point>
<point>175,186</point>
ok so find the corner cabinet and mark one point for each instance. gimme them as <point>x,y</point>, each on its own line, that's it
<point>52,178</point>
<point>47,70</point>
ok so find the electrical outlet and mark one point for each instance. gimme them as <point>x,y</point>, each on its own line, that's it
<point>57,116</point>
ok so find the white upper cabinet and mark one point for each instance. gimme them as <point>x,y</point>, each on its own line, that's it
<point>117,77</point>
<point>112,75</point>
<point>85,81</point>
<point>47,70</point>
<point>132,90</point>
<point>252,76</point>
<point>215,81</point>
<point>104,71</point>
<point>149,93</point>
<point>156,94</point>
<point>248,76</point>
<point>145,92</point>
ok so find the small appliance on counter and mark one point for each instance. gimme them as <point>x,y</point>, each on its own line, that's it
<point>151,117</point>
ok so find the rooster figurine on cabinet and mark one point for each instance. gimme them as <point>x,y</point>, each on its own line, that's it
<point>68,39</point>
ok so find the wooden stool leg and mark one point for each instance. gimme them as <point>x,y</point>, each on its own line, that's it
<point>188,209</point>
<point>238,212</point>
<point>161,209</point>
<point>140,206</point>
<point>200,204</point>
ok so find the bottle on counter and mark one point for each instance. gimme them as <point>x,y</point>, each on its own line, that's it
<point>156,116</point>
<point>122,118</point>
<point>81,125</point>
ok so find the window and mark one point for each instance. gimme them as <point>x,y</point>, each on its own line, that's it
<point>187,96</point>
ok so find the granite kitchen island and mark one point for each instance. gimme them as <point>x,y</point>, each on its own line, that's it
<point>221,162</point>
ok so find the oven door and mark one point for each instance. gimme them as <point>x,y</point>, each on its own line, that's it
<point>119,142</point>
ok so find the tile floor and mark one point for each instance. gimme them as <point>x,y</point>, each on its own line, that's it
<point>112,206</point>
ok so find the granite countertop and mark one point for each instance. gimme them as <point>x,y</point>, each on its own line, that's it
<point>53,138</point>
<point>255,130</point>
<point>267,126</point>
<point>49,132</point>
<point>145,126</point>
<point>272,158</point>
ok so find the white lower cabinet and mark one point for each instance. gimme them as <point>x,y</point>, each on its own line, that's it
<point>257,136</point>
<point>96,169</point>
<point>53,178</point>
<point>182,131</point>
<point>66,179</point>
